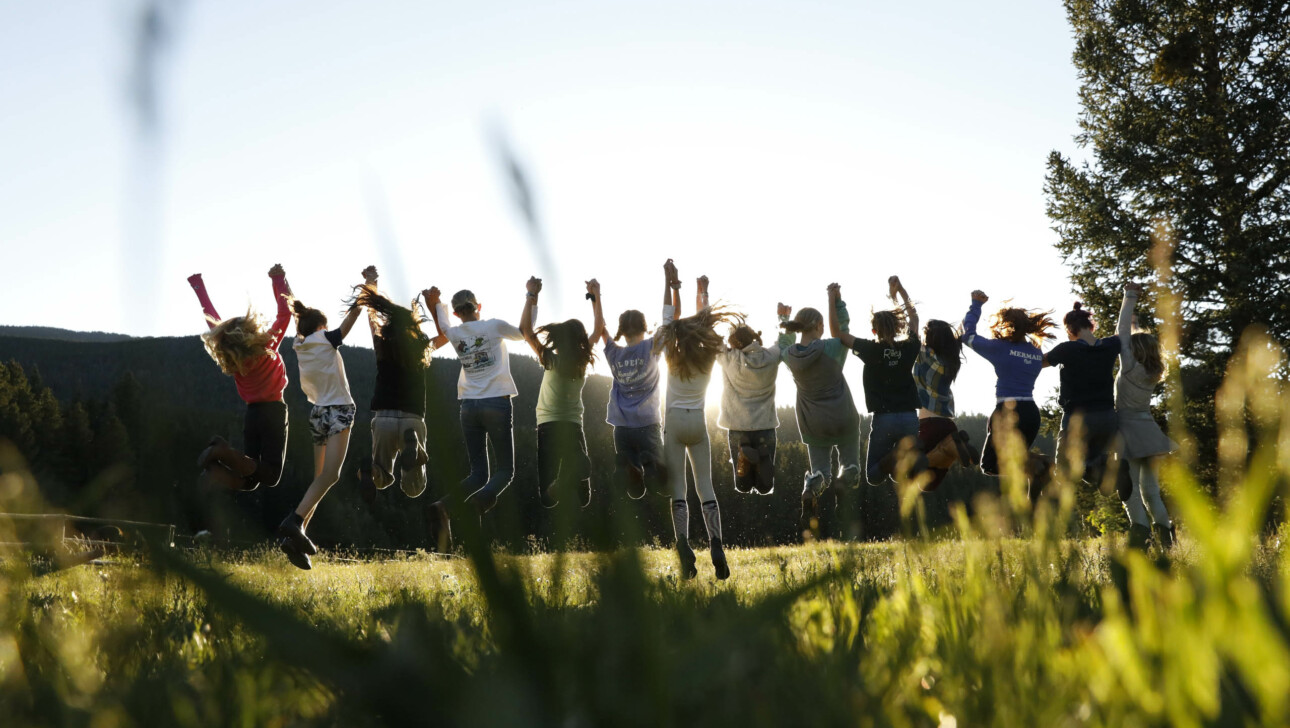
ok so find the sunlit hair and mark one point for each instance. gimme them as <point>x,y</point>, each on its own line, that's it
<point>308,320</point>
<point>944,342</point>
<point>398,328</point>
<point>566,349</point>
<point>807,319</point>
<point>235,342</point>
<point>691,344</point>
<point>888,324</point>
<point>1146,349</point>
<point>1018,325</point>
<point>742,335</point>
<point>1078,319</point>
<point>630,323</point>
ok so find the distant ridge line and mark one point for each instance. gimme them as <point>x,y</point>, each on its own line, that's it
<point>50,332</point>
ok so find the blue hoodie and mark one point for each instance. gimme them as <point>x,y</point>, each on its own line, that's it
<point>1017,366</point>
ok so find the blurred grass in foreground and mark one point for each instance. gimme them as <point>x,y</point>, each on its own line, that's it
<point>989,629</point>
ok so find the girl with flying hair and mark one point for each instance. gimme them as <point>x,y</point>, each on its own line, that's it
<point>1087,394</point>
<point>248,351</point>
<point>323,380</point>
<point>633,407</point>
<point>939,360</point>
<point>1142,441</point>
<point>749,370</point>
<point>565,351</point>
<point>691,346</point>
<point>889,390</point>
<point>1017,359</point>
<point>826,412</point>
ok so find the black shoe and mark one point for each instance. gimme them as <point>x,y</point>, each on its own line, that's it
<point>291,528</point>
<point>546,499</point>
<point>439,527</point>
<point>635,481</point>
<point>298,558</point>
<point>719,560</point>
<point>1165,537</point>
<point>412,455</point>
<point>967,456</point>
<point>483,500</point>
<point>1139,537</point>
<point>688,559</point>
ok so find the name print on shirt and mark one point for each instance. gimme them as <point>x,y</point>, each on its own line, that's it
<point>630,371</point>
<point>1029,357</point>
<point>891,357</point>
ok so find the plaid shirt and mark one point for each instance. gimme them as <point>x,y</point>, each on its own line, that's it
<point>933,386</point>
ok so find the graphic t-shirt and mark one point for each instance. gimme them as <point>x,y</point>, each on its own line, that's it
<point>1087,379</point>
<point>634,398</point>
<point>322,371</point>
<point>481,348</point>
<point>888,374</point>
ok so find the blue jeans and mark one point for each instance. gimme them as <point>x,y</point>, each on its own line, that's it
<point>885,435</point>
<point>484,421</point>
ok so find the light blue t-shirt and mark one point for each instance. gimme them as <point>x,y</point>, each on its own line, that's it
<point>634,398</point>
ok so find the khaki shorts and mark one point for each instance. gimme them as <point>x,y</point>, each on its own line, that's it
<point>388,427</point>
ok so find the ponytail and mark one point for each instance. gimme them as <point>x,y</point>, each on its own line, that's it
<point>1078,319</point>
<point>805,320</point>
<point>308,320</point>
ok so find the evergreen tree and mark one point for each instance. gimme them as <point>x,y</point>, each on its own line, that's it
<point>1186,118</point>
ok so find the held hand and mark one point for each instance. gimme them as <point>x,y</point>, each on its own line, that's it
<point>432,294</point>
<point>534,285</point>
<point>277,270</point>
<point>1131,286</point>
<point>369,274</point>
<point>669,270</point>
<point>894,287</point>
<point>703,284</point>
<point>195,279</point>
<point>835,290</point>
<point>593,287</point>
<point>979,295</point>
<point>782,310</point>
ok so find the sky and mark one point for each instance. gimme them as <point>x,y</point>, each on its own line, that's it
<point>773,146</point>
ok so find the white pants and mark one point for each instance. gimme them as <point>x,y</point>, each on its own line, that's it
<point>685,432</point>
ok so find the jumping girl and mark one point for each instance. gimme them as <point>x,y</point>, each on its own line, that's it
<point>633,407</point>
<point>1087,392</point>
<point>939,360</point>
<point>1143,443</point>
<point>748,406</point>
<point>1017,359</point>
<point>889,390</point>
<point>399,399</point>
<point>826,412</point>
<point>484,389</point>
<point>564,351</point>
<point>691,346</point>
<point>246,351</point>
<point>322,377</point>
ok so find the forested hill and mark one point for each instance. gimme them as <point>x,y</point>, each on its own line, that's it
<point>142,409</point>
<point>49,332</point>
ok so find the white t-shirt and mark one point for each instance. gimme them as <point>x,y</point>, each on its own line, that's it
<point>322,371</point>
<point>687,393</point>
<point>480,345</point>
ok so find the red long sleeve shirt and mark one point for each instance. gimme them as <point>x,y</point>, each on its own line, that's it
<point>266,376</point>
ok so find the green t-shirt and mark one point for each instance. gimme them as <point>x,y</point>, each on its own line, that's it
<point>559,398</point>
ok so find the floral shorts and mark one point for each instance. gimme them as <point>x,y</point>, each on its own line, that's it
<point>331,419</point>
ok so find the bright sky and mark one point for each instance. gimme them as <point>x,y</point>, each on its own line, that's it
<point>774,146</point>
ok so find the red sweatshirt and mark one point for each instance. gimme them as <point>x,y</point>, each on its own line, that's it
<point>266,376</point>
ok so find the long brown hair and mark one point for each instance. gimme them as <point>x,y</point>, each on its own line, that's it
<point>741,335</point>
<point>399,328</point>
<point>888,324</point>
<point>233,343</point>
<point>308,320</point>
<point>1146,349</point>
<point>691,344</point>
<point>566,349</point>
<point>805,320</point>
<point>1018,325</point>
<point>941,338</point>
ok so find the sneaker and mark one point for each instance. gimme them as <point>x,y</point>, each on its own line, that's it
<point>719,560</point>
<point>291,529</point>
<point>483,500</point>
<point>298,558</point>
<point>1164,537</point>
<point>546,499</point>
<point>688,559</point>
<point>849,476</point>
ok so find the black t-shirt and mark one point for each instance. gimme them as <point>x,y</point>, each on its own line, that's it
<point>1087,375</point>
<point>400,380</point>
<point>888,374</point>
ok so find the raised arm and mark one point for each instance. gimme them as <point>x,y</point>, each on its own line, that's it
<point>837,312</point>
<point>369,280</point>
<point>433,304</point>
<point>1124,327</point>
<point>281,292</point>
<point>351,316</point>
<point>208,308</point>
<point>671,292</point>
<point>896,288</point>
<point>598,325</point>
<point>701,294</point>
<point>532,289</point>
<point>970,337</point>
<point>785,338</point>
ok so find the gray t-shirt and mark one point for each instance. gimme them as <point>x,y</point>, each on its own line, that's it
<point>634,398</point>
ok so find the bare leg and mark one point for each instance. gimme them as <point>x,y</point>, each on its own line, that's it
<point>328,472</point>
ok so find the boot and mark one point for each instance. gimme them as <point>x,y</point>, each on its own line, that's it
<point>944,454</point>
<point>719,560</point>
<point>968,456</point>
<point>849,476</point>
<point>440,528</point>
<point>765,484</point>
<point>221,476</point>
<point>747,462</point>
<point>298,558</point>
<point>292,529</point>
<point>221,452</point>
<point>1165,537</point>
<point>688,559</point>
<point>635,481</point>
<point>1139,537</point>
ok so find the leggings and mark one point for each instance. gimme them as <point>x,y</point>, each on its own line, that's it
<point>1145,495</point>
<point>685,433</point>
<point>264,435</point>
<point>1027,424</point>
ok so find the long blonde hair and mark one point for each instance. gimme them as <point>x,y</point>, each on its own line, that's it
<point>691,344</point>
<point>1146,349</point>
<point>233,343</point>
